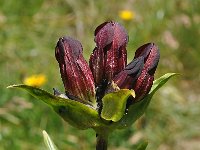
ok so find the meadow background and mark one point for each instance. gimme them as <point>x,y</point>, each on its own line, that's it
<point>29,30</point>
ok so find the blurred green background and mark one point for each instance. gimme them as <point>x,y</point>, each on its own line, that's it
<point>29,30</point>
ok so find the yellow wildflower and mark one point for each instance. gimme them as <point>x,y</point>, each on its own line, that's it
<point>36,80</point>
<point>126,15</point>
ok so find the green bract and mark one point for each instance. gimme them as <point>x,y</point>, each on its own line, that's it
<point>114,104</point>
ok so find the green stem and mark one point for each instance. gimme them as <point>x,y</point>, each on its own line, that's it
<point>101,142</point>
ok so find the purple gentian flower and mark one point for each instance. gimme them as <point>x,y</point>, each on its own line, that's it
<point>107,64</point>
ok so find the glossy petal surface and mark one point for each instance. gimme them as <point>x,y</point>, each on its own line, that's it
<point>139,74</point>
<point>151,55</point>
<point>109,55</point>
<point>75,72</point>
<point>126,78</point>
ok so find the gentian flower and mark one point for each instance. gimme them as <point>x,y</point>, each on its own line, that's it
<point>75,72</point>
<point>139,74</point>
<point>107,64</point>
<point>107,93</point>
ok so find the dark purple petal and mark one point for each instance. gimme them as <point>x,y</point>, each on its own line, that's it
<point>143,85</point>
<point>96,63</point>
<point>151,55</point>
<point>104,35</point>
<point>109,56</point>
<point>75,72</point>
<point>126,78</point>
<point>139,74</point>
<point>143,50</point>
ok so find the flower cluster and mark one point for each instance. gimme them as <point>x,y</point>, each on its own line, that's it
<point>107,70</point>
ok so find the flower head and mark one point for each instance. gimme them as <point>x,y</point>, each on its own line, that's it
<point>126,15</point>
<point>36,80</point>
<point>107,64</point>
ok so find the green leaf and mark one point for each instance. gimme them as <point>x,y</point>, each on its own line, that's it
<point>142,146</point>
<point>48,142</point>
<point>137,110</point>
<point>161,81</point>
<point>75,113</point>
<point>114,104</point>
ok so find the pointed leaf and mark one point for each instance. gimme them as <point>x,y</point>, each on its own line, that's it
<point>75,113</point>
<point>114,104</point>
<point>161,81</point>
<point>48,142</point>
<point>137,110</point>
<point>143,145</point>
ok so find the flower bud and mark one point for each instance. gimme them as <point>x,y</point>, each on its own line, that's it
<point>139,74</point>
<point>75,72</point>
<point>151,55</point>
<point>109,55</point>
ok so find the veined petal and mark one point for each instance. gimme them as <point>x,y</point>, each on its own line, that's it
<point>75,72</point>
<point>109,56</point>
<point>126,78</point>
<point>139,74</point>
<point>151,55</point>
<point>143,84</point>
<point>96,63</point>
<point>104,34</point>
